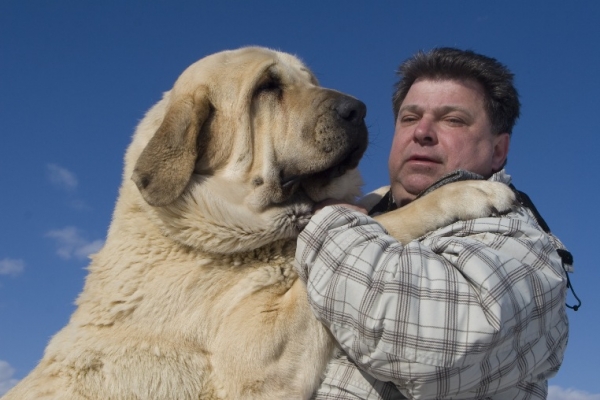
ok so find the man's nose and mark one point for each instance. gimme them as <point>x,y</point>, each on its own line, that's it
<point>425,132</point>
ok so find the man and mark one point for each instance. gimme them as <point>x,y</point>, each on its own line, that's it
<point>473,310</point>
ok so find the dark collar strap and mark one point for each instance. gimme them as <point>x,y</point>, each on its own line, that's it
<point>384,205</point>
<point>525,201</point>
<point>565,255</point>
<point>454,176</point>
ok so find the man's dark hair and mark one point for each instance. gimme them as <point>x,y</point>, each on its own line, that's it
<point>446,63</point>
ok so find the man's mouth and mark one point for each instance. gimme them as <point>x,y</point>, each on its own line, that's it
<point>422,159</point>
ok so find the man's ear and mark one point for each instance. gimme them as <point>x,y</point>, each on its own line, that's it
<point>166,164</point>
<point>500,154</point>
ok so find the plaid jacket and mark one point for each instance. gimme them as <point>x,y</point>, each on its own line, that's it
<point>473,310</point>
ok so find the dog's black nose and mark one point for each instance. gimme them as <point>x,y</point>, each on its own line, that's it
<point>351,110</point>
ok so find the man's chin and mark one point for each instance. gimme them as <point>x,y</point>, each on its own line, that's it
<point>417,184</point>
<point>407,189</point>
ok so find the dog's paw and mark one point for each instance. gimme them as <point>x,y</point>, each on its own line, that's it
<point>477,199</point>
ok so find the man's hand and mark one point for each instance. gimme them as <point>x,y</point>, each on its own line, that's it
<point>333,202</point>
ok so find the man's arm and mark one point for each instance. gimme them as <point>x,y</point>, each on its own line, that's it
<point>473,310</point>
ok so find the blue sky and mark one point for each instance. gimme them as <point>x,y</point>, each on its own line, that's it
<point>77,76</point>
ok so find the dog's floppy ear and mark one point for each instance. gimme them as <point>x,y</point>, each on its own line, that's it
<point>166,164</point>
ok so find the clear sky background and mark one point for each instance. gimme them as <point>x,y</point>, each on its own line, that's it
<point>77,76</point>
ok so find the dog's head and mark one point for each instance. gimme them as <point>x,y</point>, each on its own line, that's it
<point>236,154</point>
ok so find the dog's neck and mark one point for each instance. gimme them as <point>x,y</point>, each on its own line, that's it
<point>272,252</point>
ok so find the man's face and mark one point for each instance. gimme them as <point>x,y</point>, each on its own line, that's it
<point>442,126</point>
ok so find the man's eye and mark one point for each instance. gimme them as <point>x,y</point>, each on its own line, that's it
<point>408,119</point>
<point>455,121</point>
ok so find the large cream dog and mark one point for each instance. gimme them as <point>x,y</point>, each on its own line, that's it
<point>194,295</point>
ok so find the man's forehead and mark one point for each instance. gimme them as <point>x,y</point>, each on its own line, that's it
<point>470,83</point>
<point>442,109</point>
<point>444,93</point>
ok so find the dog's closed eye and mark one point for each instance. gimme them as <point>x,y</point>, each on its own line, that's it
<point>270,85</point>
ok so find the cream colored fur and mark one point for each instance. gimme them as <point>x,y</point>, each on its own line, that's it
<point>194,295</point>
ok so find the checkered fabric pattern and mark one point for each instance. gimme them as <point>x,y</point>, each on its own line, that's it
<point>471,311</point>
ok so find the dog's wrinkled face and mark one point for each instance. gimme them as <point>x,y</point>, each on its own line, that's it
<point>236,154</point>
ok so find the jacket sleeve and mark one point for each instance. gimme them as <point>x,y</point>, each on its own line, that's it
<point>469,311</point>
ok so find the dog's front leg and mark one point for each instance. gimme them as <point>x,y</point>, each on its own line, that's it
<point>450,203</point>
